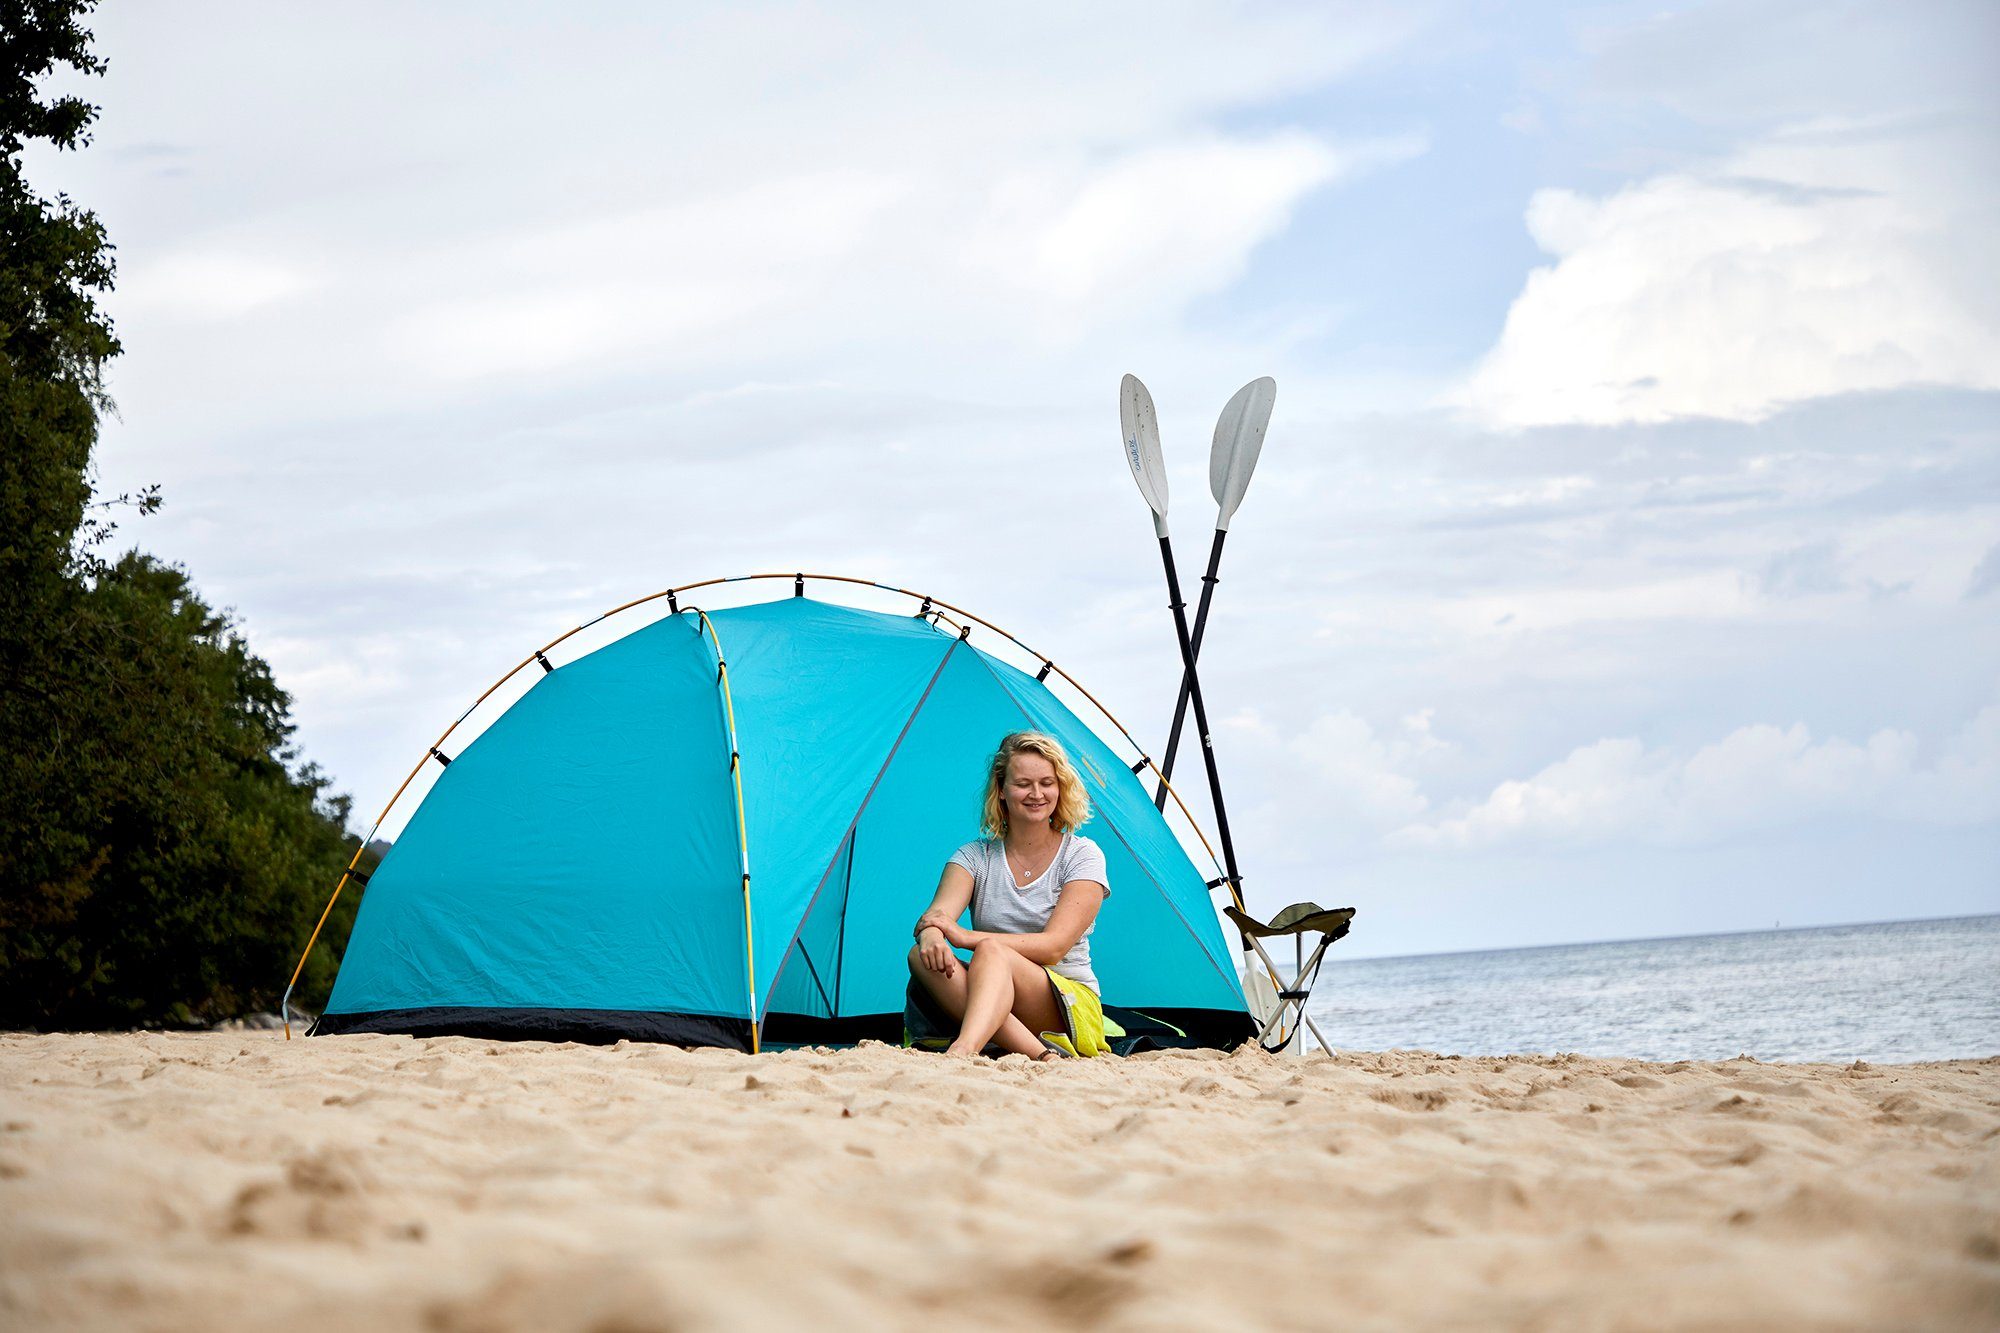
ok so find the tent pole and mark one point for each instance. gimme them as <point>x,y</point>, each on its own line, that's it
<point>742,828</point>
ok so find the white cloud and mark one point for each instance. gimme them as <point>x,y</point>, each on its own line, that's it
<point>1825,260</point>
<point>640,282</point>
<point>680,200</point>
<point>1756,777</point>
<point>1049,250</point>
<point>1985,577</point>
<point>1599,598</point>
<point>1335,783</point>
<point>1151,229</point>
<point>204,286</point>
<point>1361,773</point>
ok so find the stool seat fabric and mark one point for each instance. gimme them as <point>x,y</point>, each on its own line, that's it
<point>1295,920</point>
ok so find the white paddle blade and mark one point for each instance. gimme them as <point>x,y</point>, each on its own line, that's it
<point>1142,447</point>
<point>1259,995</point>
<point>1239,438</point>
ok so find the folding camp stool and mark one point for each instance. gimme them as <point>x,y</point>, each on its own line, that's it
<point>1298,921</point>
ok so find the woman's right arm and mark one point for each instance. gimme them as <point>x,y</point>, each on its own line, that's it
<point>953,896</point>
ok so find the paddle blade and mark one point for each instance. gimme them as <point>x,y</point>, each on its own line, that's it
<point>1142,447</point>
<point>1239,438</point>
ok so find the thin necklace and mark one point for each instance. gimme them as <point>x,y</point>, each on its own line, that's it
<point>1019,873</point>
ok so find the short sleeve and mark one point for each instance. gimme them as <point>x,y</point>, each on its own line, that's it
<point>1086,861</point>
<point>970,856</point>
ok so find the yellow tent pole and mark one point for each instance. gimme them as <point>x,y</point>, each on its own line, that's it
<point>742,826</point>
<point>285,1004</point>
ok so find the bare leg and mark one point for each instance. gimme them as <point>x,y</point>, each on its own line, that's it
<point>951,994</point>
<point>948,991</point>
<point>1006,999</point>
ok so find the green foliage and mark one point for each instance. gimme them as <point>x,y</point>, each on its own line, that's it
<point>162,852</point>
<point>38,38</point>
<point>168,860</point>
<point>54,340</point>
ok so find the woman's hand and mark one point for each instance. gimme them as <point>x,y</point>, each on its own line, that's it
<point>954,934</point>
<point>935,949</point>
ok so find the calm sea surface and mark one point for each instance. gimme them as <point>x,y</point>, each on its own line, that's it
<point>1909,990</point>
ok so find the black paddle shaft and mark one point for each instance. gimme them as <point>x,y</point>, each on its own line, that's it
<point>1208,582</point>
<point>1200,717</point>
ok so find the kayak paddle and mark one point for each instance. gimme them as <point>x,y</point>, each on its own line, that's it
<point>1239,439</point>
<point>1142,451</point>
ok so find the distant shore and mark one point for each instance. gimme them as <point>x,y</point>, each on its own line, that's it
<point>233,1180</point>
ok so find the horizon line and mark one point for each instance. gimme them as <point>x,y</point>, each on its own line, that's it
<point>1664,939</point>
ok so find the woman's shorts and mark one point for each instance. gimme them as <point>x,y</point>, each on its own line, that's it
<point>1083,1017</point>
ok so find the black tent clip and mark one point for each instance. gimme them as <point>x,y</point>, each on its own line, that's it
<point>539,657</point>
<point>964,632</point>
<point>925,609</point>
<point>441,756</point>
<point>673,602</point>
<point>1143,764</point>
<point>1047,666</point>
<point>798,585</point>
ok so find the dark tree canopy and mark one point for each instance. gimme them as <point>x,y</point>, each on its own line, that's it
<point>163,852</point>
<point>39,38</point>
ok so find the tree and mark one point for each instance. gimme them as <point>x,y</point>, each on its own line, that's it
<point>54,340</point>
<point>162,848</point>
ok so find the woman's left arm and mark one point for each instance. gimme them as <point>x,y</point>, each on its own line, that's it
<point>1076,908</point>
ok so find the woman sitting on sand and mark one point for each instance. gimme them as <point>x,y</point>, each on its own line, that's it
<point>1034,885</point>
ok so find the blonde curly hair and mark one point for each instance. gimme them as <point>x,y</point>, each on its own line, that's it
<point>1072,802</point>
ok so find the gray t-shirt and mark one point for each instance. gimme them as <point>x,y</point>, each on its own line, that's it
<point>1002,907</point>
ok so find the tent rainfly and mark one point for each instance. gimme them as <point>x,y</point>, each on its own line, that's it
<point>717,829</point>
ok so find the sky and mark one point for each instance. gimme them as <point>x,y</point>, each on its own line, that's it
<point>1624,557</point>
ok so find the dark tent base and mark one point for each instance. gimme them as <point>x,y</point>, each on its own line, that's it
<point>1216,1028</point>
<point>598,1027</point>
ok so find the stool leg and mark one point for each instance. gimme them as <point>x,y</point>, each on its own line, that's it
<point>1278,980</point>
<point>1324,1044</point>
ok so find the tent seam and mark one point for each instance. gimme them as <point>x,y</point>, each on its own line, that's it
<point>854,824</point>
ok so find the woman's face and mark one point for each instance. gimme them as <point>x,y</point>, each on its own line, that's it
<point>1031,789</point>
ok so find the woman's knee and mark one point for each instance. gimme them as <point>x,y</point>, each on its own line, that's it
<point>916,959</point>
<point>992,952</point>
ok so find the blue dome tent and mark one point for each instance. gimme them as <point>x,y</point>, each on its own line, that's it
<point>716,830</point>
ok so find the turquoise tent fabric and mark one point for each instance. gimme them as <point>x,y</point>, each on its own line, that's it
<point>576,872</point>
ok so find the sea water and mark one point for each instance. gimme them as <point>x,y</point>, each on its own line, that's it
<point>1907,990</point>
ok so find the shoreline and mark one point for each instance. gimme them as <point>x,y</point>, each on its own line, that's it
<point>226,1180</point>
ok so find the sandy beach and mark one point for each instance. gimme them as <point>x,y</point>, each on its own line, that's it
<point>237,1181</point>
